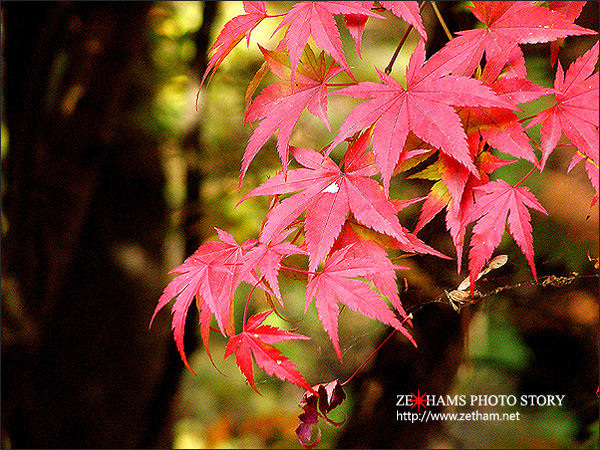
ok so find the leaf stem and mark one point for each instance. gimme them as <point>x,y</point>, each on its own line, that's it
<point>369,358</point>
<point>248,301</point>
<point>293,241</point>
<point>306,272</point>
<point>409,317</point>
<point>527,176</point>
<point>339,84</point>
<point>442,21</point>
<point>527,118</point>
<point>389,67</point>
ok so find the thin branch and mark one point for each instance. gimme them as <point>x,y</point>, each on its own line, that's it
<point>248,301</point>
<point>528,174</point>
<point>389,67</point>
<point>409,317</point>
<point>459,302</point>
<point>442,21</point>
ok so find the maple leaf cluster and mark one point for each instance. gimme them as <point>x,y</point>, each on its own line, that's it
<point>452,114</point>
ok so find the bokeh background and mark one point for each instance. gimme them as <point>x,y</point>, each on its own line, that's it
<point>114,170</point>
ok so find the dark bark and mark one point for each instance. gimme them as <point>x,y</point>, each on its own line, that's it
<point>86,215</point>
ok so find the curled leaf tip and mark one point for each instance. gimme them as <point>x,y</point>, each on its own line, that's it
<point>317,402</point>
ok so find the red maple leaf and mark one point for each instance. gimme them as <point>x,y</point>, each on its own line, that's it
<point>424,108</point>
<point>591,168</point>
<point>576,111</point>
<point>571,11</point>
<point>316,19</point>
<point>501,127</point>
<point>356,25</point>
<point>337,283</point>
<point>257,339</point>
<point>384,278</point>
<point>280,105</point>
<point>409,11</point>
<point>266,259</point>
<point>508,25</point>
<point>232,33</point>
<point>498,127</point>
<point>443,193</point>
<point>457,217</point>
<point>497,201</point>
<point>211,275</point>
<point>328,194</point>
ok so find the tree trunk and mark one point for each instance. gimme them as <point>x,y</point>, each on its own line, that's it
<point>86,222</point>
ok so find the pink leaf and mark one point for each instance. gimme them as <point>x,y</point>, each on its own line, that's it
<point>423,108</point>
<point>337,283</point>
<point>316,19</point>
<point>508,25</point>
<point>356,24</point>
<point>409,11</point>
<point>383,279</point>
<point>212,274</point>
<point>571,11</point>
<point>576,111</point>
<point>279,106</point>
<point>327,196</point>
<point>256,340</point>
<point>499,201</point>
<point>266,259</point>
<point>232,33</point>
